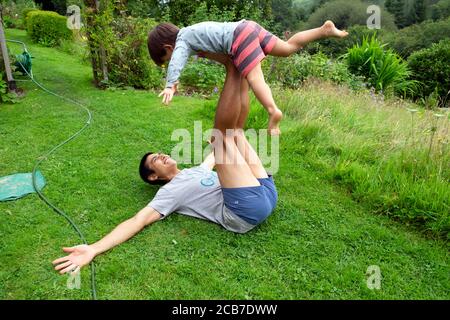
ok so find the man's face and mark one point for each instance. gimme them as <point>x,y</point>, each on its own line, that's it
<point>162,164</point>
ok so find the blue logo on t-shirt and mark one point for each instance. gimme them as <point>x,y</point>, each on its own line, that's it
<point>209,180</point>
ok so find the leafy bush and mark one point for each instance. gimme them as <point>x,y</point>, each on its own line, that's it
<point>383,69</point>
<point>47,27</point>
<point>25,13</point>
<point>293,71</point>
<point>203,75</point>
<point>118,49</point>
<point>417,37</point>
<point>128,61</point>
<point>431,67</point>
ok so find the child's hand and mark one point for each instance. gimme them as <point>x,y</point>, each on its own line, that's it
<point>167,95</point>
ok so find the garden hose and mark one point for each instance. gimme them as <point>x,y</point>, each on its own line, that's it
<point>27,69</point>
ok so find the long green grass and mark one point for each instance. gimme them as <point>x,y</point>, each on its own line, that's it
<point>318,243</point>
<point>388,154</point>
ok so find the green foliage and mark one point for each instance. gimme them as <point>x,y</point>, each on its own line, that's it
<point>390,156</point>
<point>25,13</point>
<point>334,47</point>
<point>12,12</point>
<point>440,10</point>
<point>47,27</point>
<point>185,12</point>
<point>77,48</point>
<point>406,12</point>
<point>203,13</point>
<point>123,40</point>
<point>287,15</point>
<point>144,9</point>
<point>431,67</point>
<point>417,37</point>
<point>5,96</point>
<point>383,69</point>
<point>346,14</point>
<point>211,12</point>
<point>128,59</point>
<point>291,72</point>
<point>203,75</point>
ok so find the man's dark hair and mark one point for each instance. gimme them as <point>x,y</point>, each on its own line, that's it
<point>164,33</point>
<point>144,171</point>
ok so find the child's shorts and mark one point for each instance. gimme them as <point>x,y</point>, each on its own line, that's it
<point>252,204</point>
<point>251,44</point>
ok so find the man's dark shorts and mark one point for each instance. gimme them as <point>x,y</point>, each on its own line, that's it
<point>252,204</point>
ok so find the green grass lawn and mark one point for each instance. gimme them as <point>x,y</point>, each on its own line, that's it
<point>318,243</point>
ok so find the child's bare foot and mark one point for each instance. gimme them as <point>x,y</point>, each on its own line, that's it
<point>274,120</point>
<point>330,30</point>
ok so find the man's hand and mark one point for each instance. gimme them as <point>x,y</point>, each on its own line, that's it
<point>168,93</point>
<point>79,256</point>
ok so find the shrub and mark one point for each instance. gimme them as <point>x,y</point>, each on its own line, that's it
<point>293,71</point>
<point>129,63</point>
<point>47,27</point>
<point>417,37</point>
<point>203,75</point>
<point>25,13</point>
<point>383,69</point>
<point>431,67</point>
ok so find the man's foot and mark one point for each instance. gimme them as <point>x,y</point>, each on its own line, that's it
<point>330,30</point>
<point>274,120</point>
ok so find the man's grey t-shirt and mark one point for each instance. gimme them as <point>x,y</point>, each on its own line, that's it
<point>196,192</point>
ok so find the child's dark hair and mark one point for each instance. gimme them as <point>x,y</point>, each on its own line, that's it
<point>144,171</point>
<point>164,33</point>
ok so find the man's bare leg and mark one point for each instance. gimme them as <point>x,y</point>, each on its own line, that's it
<point>246,151</point>
<point>232,169</point>
<point>244,147</point>
<point>245,104</point>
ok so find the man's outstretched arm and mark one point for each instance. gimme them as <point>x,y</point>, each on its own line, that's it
<point>82,255</point>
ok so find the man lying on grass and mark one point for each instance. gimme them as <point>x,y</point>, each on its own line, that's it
<point>239,195</point>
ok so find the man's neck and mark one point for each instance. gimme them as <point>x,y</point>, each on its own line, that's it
<point>172,175</point>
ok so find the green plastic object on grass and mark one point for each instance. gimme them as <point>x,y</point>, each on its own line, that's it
<point>23,63</point>
<point>18,185</point>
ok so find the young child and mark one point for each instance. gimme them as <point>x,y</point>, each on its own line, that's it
<point>245,42</point>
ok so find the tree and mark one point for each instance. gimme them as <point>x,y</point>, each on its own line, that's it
<point>407,12</point>
<point>440,10</point>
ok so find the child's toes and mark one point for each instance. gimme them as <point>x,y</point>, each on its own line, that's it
<point>274,132</point>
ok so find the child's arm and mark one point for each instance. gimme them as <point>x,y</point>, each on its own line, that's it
<point>177,62</point>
